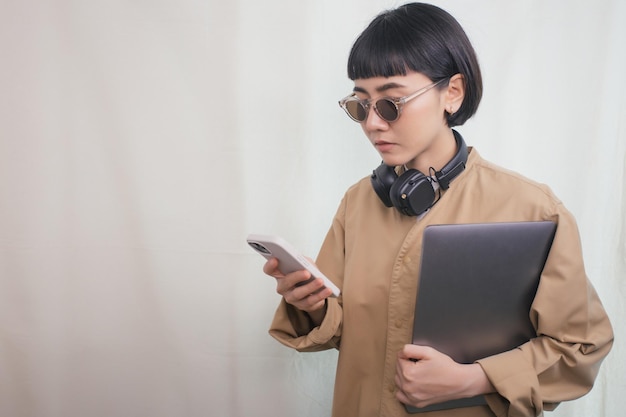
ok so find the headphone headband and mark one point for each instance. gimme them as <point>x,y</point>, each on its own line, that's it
<point>456,164</point>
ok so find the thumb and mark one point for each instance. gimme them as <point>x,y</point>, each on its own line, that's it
<point>415,352</point>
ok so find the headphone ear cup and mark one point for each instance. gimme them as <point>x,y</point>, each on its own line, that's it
<point>412,193</point>
<point>382,179</point>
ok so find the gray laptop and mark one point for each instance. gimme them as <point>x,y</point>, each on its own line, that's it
<point>477,284</point>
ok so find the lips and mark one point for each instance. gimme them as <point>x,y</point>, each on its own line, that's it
<point>383,146</point>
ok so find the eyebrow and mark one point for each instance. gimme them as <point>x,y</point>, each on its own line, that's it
<point>379,89</point>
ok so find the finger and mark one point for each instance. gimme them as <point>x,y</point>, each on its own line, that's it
<point>310,302</point>
<point>304,288</point>
<point>415,352</point>
<point>402,367</point>
<point>399,376</point>
<point>401,396</point>
<point>409,400</point>
<point>271,268</point>
<point>404,387</point>
<point>293,282</point>
<point>319,296</point>
<point>313,292</point>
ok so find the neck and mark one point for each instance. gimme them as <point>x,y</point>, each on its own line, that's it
<point>441,151</point>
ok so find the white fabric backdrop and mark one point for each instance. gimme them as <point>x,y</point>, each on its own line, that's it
<point>140,142</point>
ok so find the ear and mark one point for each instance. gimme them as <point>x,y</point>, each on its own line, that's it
<point>455,93</point>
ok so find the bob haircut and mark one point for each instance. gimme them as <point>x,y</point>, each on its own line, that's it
<point>422,38</point>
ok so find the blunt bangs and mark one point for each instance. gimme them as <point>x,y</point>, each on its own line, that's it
<point>374,56</point>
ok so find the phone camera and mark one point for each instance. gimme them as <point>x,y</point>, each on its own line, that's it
<point>257,246</point>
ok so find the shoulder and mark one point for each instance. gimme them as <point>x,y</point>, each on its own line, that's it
<point>488,192</point>
<point>360,201</point>
<point>502,180</point>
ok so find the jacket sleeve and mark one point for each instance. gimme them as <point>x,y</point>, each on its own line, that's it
<point>293,327</point>
<point>574,335</point>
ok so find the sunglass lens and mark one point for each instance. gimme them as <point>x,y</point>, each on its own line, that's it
<point>387,109</point>
<point>356,110</point>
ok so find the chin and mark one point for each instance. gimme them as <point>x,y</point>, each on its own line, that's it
<point>394,161</point>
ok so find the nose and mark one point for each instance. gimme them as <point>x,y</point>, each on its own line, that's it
<point>374,122</point>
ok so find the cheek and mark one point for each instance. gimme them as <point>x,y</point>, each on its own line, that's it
<point>425,117</point>
<point>429,110</point>
<point>418,129</point>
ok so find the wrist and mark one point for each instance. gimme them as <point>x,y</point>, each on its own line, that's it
<point>478,383</point>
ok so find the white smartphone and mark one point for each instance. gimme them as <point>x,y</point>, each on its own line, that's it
<point>289,259</point>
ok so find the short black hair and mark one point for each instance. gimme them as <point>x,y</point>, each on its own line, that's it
<point>422,38</point>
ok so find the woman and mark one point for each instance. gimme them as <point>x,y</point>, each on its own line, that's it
<point>415,77</point>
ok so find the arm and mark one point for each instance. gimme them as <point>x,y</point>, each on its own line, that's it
<point>574,336</point>
<point>306,320</point>
<point>561,363</point>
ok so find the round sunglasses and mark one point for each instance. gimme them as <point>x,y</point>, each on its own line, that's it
<point>387,108</point>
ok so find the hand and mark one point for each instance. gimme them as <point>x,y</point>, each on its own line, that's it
<point>310,297</point>
<point>426,376</point>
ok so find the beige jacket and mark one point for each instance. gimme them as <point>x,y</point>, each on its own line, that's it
<point>373,253</point>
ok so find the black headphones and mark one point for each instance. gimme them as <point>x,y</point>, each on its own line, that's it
<point>412,192</point>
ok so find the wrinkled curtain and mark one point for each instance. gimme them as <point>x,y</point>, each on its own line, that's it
<point>140,142</point>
